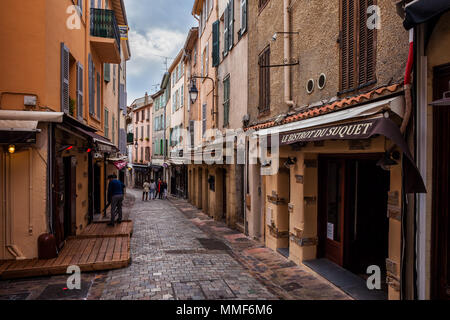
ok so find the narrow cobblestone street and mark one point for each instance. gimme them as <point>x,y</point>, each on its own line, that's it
<point>180,253</point>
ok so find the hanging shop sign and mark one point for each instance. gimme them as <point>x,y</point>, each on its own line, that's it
<point>120,164</point>
<point>363,129</point>
<point>123,29</point>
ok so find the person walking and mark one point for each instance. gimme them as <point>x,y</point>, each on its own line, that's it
<point>159,189</point>
<point>116,191</point>
<point>152,190</point>
<point>164,190</point>
<point>146,186</point>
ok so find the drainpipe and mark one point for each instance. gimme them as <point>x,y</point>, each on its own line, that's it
<point>287,55</point>
<point>30,202</point>
<point>407,83</point>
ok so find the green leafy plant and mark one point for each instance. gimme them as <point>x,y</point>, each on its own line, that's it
<point>72,104</point>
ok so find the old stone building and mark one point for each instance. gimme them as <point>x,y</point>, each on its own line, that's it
<point>328,80</point>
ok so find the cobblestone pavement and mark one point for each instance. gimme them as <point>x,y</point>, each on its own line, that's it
<point>180,253</point>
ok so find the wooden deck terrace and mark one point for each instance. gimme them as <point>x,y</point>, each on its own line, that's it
<point>98,247</point>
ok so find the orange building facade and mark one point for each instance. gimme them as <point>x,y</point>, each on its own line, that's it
<point>62,96</point>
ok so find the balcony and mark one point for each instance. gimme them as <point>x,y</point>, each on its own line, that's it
<point>105,35</point>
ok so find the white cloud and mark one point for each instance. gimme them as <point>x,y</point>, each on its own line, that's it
<point>150,47</point>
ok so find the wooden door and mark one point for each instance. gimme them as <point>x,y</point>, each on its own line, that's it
<point>59,202</point>
<point>441,180</point>
<point>332,209</point>
<point>70,209</point>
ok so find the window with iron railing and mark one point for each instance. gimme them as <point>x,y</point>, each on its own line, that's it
<point>104,24</point>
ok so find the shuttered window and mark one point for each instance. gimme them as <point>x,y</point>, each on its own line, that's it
<point>113,127</point>
<point>65,61</point>
<point>203,119</point>
<point>226,101</point>
<point>243,16</point>
<point>91,86</point>
<point>98,94</point>
<point>182,96</point>
<point>226,38</point>
<point>80,95</point>
<point>216,44</point>
<point>231,24</point>
<point>358,46</point>
<point>106,123</point>
<point>107,72</point>
<point>264,81</point>
<point>191,131</point>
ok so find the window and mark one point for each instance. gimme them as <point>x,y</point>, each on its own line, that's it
<point>207,58</point>
<point>358,47</point>
<point>80,94</point>
<point>216,44</point>
<point>226,101</point>
<point>137,116</point>
<point>191,132</point>
<point>113,127</point>
<point>182,96</point>
<point>142,154</point>
<point>98,95</point>
<point>65,67</point>
<point>147,153</point>
<point>114,79</point>
<point>107,72</point>
<point>142,133</point>
<point>106,123</point>
<point>203,119</point>
<point>142,116</point>
<point>148,131</point>
<point>264,80</point>
<point>243,16</point>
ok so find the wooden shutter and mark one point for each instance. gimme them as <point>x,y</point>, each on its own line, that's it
<point>231,28</point>
<point>348,45</point>
<point>243,16</point>
<point>107,72</point>
<point>80,87</point>
<point>264,81</point>
<point>366,55</point>
<point>225,32</point>
<point>204,119</point>
<point>64,78</point>
<point>98,94</point>
<point>80,5</point>
<point>216,44</point>
<point>91,86</point>
<point>191,131</point>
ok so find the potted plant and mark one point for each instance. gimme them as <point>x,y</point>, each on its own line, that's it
<point>72,103</point>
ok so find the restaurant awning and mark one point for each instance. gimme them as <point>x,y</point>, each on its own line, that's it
<point>40,116</point>
<point>420,11</point>
<point>18,131</point>
<point>101,143</point>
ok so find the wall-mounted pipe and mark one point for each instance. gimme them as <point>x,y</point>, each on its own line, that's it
<point>287,55</point>
<point>30,200</point>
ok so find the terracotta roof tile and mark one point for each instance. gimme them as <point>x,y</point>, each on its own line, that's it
<point>316,111</point>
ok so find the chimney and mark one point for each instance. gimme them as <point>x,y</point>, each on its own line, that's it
<point>146,98</point>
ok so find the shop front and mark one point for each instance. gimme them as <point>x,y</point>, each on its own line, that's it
<point>336,200</point>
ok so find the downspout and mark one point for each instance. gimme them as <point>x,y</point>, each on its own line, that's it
<point>287,55</point>
<point>407,83</point>
<point>30,190</point>
<point>404,125</point>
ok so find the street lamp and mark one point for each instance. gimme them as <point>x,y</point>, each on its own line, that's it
<point>193,92</point>
<point>136,145</point>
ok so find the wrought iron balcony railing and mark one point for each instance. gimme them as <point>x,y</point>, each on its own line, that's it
<point>104,24</point>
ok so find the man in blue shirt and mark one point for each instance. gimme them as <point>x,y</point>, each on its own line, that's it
<point>116,190</point>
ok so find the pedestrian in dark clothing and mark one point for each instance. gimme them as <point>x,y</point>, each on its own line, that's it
<point>116,190</point>
<point>164,190</point>
<point>159,189</point>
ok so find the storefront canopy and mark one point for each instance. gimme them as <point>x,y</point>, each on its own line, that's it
<point>420,11</point>
<point>101,143</point>
<point>39,116</point>
<point>18,131</point>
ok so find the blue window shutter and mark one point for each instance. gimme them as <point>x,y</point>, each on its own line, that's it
<point>216,44</point>
<point>80,89</point>
<point>64,78</point>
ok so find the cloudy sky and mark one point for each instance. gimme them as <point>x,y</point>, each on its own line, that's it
<point>158,28</point>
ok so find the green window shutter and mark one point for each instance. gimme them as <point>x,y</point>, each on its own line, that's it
<point>216,45</point>
<point>91,86</point>
<point>107,72</point>
<point>98,95</point>
<point>64,78</point>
